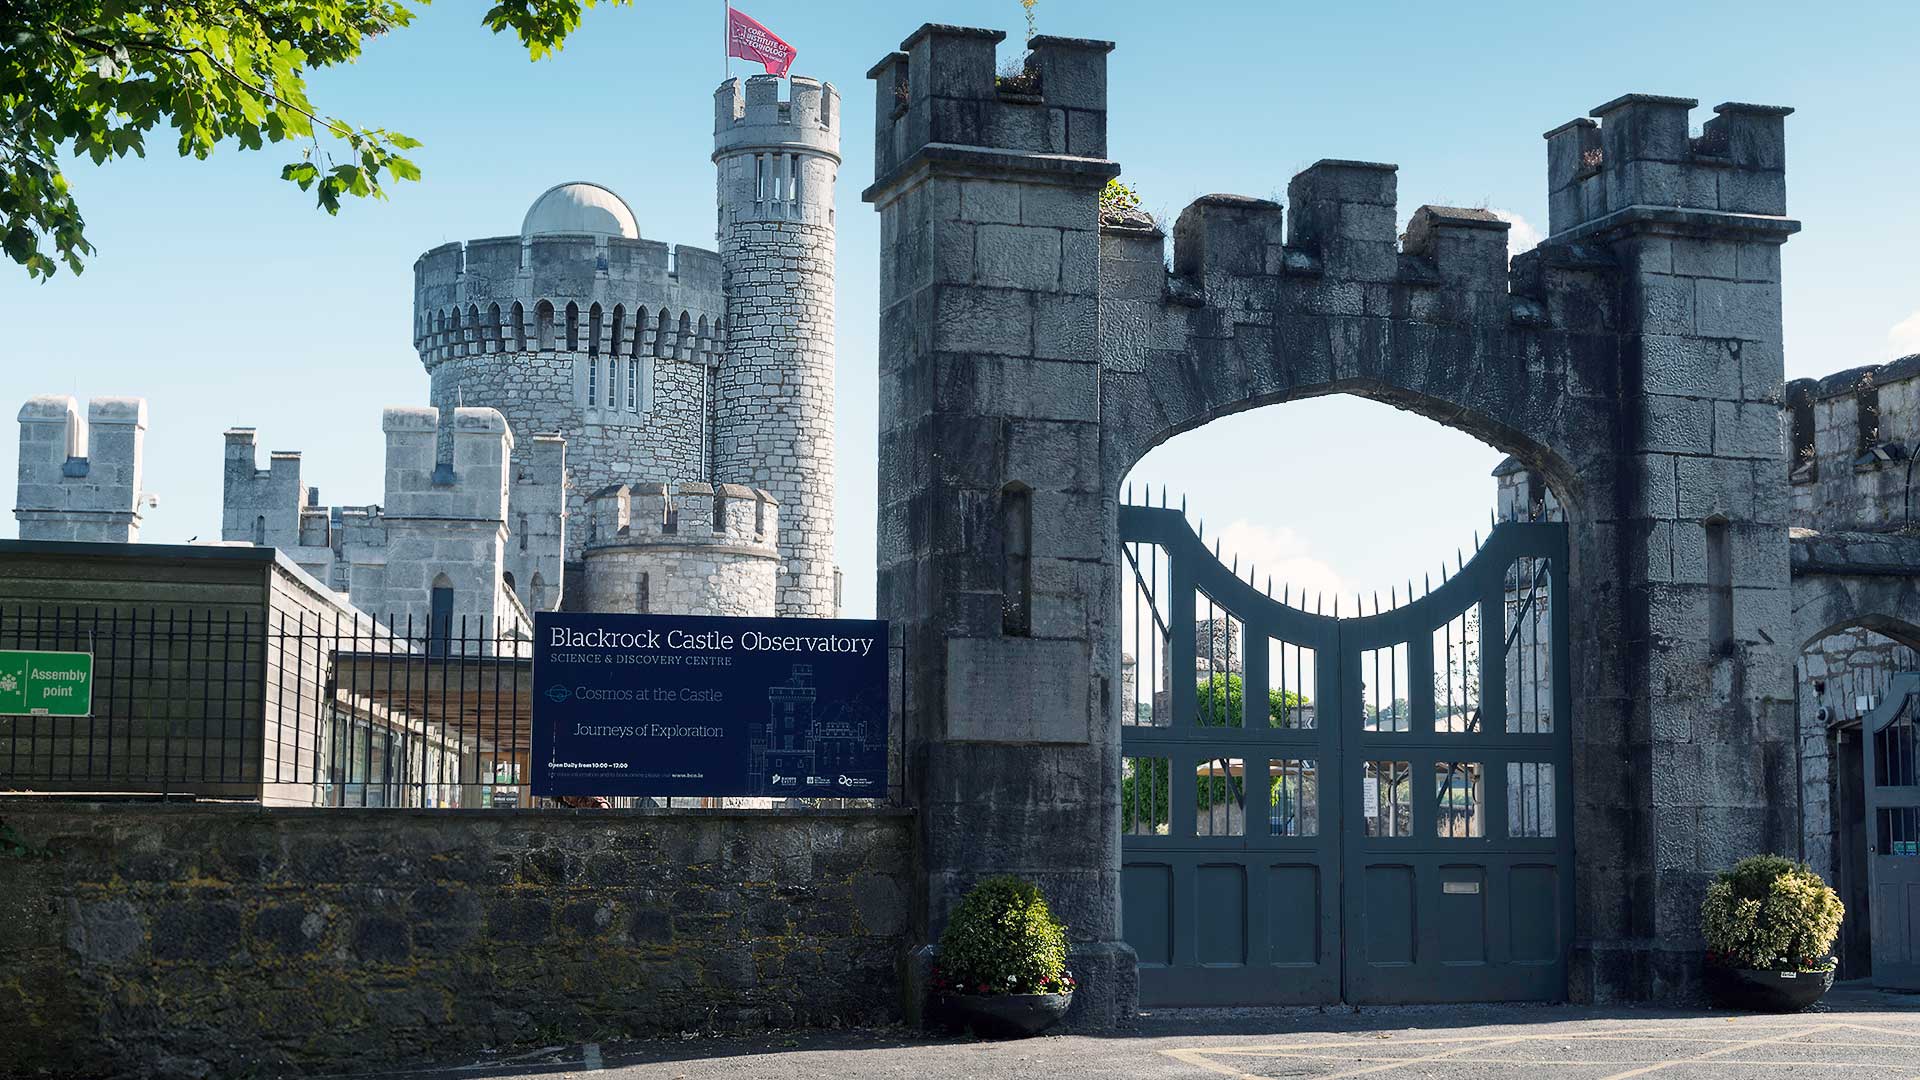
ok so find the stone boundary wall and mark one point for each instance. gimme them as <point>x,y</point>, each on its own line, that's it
<point>199,939</point>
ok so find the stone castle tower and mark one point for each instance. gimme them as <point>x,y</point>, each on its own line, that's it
<point>688,386</point>
<point>778,162</point>
<point>665,413</point>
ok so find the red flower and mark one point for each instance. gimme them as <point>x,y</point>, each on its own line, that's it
<point>983,988</point>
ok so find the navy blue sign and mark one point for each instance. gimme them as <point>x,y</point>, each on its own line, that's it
<point>698,705</point>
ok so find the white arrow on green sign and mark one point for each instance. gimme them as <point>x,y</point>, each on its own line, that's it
<point>46,683</point>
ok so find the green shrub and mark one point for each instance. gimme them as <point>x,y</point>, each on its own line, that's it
<point>1771,913</point>
<point>1003,940</point>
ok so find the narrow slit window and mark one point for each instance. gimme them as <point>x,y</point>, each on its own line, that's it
<point>593,383</point>
<point>613,383</point>
<point>633,386</point>
<point>1719,588</point>
<point>1016,560</point>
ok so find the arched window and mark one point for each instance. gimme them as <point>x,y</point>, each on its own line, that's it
<point>614,347</point>
<point>593,383</point>
<point>613,384</point>
<point>683,348</point>
<point>543,324</point>
<point>640,332</point>
<point>519,327</point>
<point>440,616</point>
<point>573,327</point>
<point>537,592</point>
<point>593,331</point>
<point>1016,560</point>
<point>476,338</point>
<point>633,385</point>
<point>496,344</point>
<point>506,578</point>
<point>661,334</point>
<point>260,531</point>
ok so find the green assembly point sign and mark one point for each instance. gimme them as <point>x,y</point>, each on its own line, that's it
<point>46,683</point>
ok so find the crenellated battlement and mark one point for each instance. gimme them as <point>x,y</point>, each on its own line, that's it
<point>942,89</point>
<point>80,477</point>
<point>754,118</point>
<point>680,515</point>
<point>453,468</point>
<point>553,294</point>
<point>1637,151</point>
<point>1852,440</point>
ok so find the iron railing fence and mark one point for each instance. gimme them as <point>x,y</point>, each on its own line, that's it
<point>290,708</point>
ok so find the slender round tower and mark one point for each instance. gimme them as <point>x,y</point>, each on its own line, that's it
<point>773,424</point>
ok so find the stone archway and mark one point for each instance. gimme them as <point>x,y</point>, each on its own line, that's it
<point>1633,358</point>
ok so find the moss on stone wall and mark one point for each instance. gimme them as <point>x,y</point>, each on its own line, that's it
<point>155,937</point>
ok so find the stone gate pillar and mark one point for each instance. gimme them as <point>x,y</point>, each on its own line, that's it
<point>994,535</point>
<point>1706,653</point>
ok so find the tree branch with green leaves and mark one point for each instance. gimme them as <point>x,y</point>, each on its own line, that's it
<point>93,78</point>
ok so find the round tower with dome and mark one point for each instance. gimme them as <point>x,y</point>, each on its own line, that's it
<point>631,397</point>
<point>577,327</point>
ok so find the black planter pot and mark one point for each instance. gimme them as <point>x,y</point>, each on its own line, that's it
<point>1002,1016</point>
<point>1750,990</point>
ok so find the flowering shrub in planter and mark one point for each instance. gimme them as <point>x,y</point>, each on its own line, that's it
<point>1002,968</point>
<point>1768,923</point>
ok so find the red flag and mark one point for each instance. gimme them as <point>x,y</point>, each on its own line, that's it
<point>748,40</point>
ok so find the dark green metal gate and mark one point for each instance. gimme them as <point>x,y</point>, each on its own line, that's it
<point>1375,808</point>
<point>1890,736</point>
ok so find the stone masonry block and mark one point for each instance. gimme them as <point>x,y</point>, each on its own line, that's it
<point>1666,304</point>
<point>1676,425</point>
<point>1749,430</point>
<point>1015,256</point>
<point>983,201</point>
<point>1689,366</point>
<point>1738,309</point>
<point>984,320</point>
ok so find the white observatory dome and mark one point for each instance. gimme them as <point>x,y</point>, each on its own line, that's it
<point>580,207</point>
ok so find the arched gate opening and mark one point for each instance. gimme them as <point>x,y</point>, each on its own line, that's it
<point>1366,805</point>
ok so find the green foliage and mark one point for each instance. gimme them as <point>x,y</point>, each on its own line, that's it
<point>1026,8</point>
<point>1221,697</point>
<point>1771,913</point>
<point>1003,940</point>
<point>1118,201</point>
<point>92,78</point>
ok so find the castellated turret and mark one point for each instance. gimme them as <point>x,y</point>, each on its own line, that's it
<point>577,327</point>
<point>778,162</point>
<point>682,549</point>
<point>80,478</point>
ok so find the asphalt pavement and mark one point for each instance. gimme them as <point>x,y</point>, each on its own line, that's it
<point>1855,1032</point>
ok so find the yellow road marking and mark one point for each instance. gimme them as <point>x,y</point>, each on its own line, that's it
<point>1352,1047</point>
<point>1671,1062</point>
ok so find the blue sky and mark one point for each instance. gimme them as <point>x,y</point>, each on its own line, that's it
<point>220,295</point>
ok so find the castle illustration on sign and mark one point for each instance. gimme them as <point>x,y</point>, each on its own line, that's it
<point>797,748</point>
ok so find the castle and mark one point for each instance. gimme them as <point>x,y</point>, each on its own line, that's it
<point>613,425</point>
